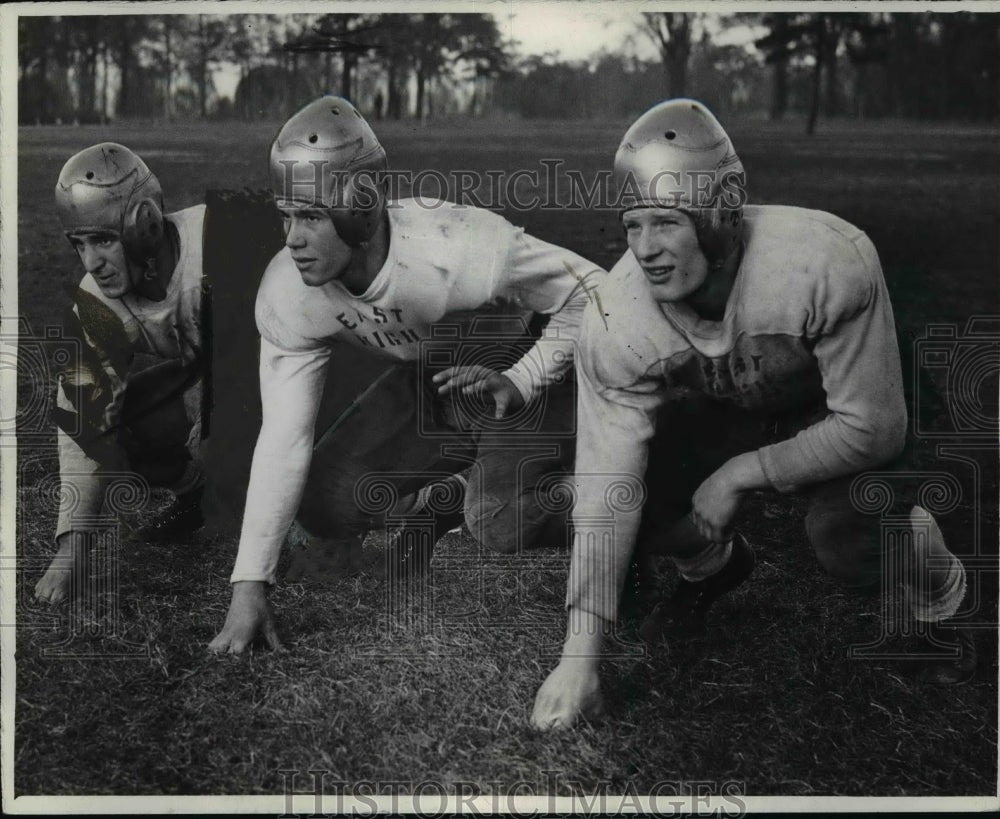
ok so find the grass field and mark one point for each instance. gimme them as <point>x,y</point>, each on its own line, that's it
<point>769,700</point>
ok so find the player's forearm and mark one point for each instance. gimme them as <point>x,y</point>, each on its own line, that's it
<point>277,480</point>
<point>585,633</point>
<point>83,487</point>
<point>745,473</point>
<point>601,556</point>
<point>291,384</point>
<point>862,378</point>
<point>830,449</point>
<point>553,354</point>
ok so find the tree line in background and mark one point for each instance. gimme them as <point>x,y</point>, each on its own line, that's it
<point>94,69</point>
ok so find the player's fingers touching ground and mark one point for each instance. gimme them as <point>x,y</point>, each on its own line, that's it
<point>249,616</point>
<point>566,696</point>
<point>271,635</point>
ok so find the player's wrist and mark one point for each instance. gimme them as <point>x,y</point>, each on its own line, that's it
<point>585,634</point>
<point>744,473</point>
<point>249,589</point>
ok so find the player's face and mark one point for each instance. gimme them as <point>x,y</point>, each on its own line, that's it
<point>103,257</point>
<point>318,252</point>
<point>665,243</point>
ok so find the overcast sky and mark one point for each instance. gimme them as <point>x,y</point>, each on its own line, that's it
<point>574,30</point>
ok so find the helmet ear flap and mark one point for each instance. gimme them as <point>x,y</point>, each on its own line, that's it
<point>142,230</point>
<point>357,221</point>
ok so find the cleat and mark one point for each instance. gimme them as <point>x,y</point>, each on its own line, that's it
<point>436,509</point>
<point>948,655</point>
<point>179,520</point>
<point>409,548</point>
<point>683,615</point>
<point>409,552</point>
<point>641,591</point>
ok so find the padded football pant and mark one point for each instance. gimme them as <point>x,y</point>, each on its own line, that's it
<point>695,437</point>
<point>399,435</point>
<point>161,429</point>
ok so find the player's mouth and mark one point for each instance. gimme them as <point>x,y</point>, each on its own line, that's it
<point>303,261</point>
<point>658,275</point>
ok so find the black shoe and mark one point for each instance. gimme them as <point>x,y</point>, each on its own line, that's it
<point>179,520</point>
<point>438,509</point>
<point>409,550</point>
<point>640,592</point>
<point>683,615</point>
<point>948,655</point>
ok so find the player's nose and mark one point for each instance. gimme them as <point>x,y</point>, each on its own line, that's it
<point>294,236</point>
<point>92,259</point>
<point>644,246</point>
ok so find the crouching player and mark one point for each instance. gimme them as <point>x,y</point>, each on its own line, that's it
<point>362,272</point>
<point>738,349</point>
<point>133,399</point>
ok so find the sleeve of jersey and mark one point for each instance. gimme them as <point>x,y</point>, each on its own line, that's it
<point>858,358</point>
<point>614,427</point>
<point>88,400</point>
<point>551,280</point>
<point>291,384</point>
<point>82,492</point>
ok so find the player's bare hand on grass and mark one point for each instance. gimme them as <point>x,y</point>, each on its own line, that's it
<point>573,690</point>
<point>249,616</point>
<point>69,569</point>
<point>570,692</point>
<point>482,381</point>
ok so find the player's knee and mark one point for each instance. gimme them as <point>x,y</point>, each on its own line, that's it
<point>492,522</point>
<point>327,520</point>
<point>848,548</point>
<point>509,527</point>
<point>328,507</point>
<point>313,519</point>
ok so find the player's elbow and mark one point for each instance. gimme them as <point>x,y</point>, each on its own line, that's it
<point>882,439</point>
<point>892,429</point>
<point>888,444</point>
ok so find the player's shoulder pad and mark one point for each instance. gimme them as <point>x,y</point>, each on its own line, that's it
<point>279,300</point>
<point>619,324</point>
<point>798,255</point>
<point>439,220</point>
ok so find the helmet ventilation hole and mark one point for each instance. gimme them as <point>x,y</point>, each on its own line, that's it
<point>335,111</point>
<point>313,137</point>
<point>90,174</point>
<point>671,135</point>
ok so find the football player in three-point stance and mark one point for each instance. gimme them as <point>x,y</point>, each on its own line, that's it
<point>738,349</point>
<point>360,270</point>
<point>133,400</point>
